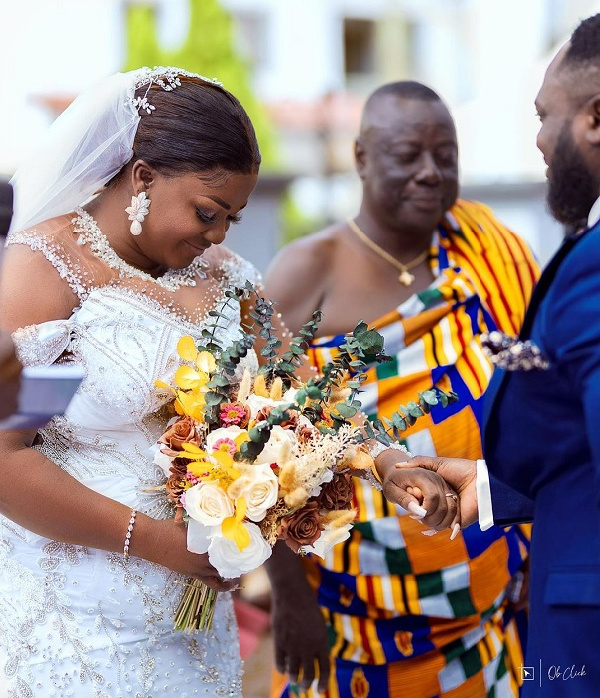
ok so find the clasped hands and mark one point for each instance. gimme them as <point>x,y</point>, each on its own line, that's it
<point>439,492</point>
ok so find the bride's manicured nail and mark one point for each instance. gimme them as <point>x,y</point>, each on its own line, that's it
<point>429,532</point>
<point>417,510</point>
<point>455,531</point>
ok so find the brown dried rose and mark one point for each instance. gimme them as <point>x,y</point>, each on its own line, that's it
<point>303,527</point>
<point>182,431</point>
<point>338,493</point>
<point>175,485</point>
<point>305,434</point>
<point>290,423</point>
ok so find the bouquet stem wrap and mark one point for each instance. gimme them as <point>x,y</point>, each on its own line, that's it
<point>196,608</point>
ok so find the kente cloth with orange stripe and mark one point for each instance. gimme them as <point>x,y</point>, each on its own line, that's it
<point>411,615</point>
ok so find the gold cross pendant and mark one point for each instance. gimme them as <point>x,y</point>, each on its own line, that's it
<point>406,278</point>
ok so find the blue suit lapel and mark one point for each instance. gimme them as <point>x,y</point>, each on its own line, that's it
<point>545,280</point>
<point>500,377</point>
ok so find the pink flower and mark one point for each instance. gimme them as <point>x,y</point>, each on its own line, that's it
<point>234,413</point>
<point>226,445</point>
<point>193,479</point>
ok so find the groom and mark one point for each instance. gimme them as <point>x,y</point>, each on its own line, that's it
<point>542,432</point>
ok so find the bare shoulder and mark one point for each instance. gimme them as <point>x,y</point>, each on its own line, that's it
<point>308,259</point>
<point>298,277</point>
<point>31,289</point>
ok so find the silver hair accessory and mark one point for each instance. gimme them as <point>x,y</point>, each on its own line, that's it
<point>513,354</point>
<point>87,145</point>
<point>167,78</point>
<point>138,210</point>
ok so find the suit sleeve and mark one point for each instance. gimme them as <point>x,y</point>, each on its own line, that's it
<point>509,506</point>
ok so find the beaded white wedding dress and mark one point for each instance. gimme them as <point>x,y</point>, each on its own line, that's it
<point>77,621</point>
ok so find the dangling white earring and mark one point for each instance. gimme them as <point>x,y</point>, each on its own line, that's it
<point>138,210</point>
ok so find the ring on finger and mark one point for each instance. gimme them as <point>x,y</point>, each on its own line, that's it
<point>454,496</point>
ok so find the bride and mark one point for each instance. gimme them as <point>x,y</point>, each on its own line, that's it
<point>86,610</point>
<point>115,254</point>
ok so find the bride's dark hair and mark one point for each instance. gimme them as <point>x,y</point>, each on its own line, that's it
<point>197,127</point>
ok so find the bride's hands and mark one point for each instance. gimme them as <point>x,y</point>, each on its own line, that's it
<point>165,542</point>
<point>461,475</point>
<point>421,491</point>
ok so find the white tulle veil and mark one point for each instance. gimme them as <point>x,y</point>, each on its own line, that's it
<point>86,145</point>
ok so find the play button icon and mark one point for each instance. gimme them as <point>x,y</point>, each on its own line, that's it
<point>527,673</point>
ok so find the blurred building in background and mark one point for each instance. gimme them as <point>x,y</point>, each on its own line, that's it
<point>312,63</point>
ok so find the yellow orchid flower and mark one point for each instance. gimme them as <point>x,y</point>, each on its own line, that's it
<point>191,405</point>
<point>219,464</point>
<point>186,348</point>
<point>233,528</point>
<point>187,378</point>
<point>201,470</point>
<point>201,464</point>
<point>225,460</point>
<point>161,385</point>
<point>194,452</point>
<point>206,362</point>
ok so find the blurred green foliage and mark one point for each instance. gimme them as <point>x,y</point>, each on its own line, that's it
<point>208,50</point>
<point>295,222</point>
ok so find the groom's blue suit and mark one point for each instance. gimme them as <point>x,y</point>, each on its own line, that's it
<point>542,436</point>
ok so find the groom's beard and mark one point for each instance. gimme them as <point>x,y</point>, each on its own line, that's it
<point>572,188</point>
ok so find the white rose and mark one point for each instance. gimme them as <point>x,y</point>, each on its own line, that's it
<point>231,433</point>
<point>278,447</point>
<point>198,536</point>
<point>256,403</point>
<point>259,486</point>
<point>159,458</point>
<point>208,504</point>
<point>230,561</point>
<point>290,395</point>
<point>328,539</point>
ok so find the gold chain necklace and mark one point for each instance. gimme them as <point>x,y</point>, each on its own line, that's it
<point>405,277</point>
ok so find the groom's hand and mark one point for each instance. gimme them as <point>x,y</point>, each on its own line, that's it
<point>461,475</point>
<point>419,490</point>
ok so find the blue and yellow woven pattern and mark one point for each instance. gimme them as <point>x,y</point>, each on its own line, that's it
<point>412,616</point>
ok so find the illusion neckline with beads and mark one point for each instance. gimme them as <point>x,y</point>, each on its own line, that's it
<point>89,233</point>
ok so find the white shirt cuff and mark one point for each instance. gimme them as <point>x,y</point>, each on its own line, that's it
<point>484,497</point>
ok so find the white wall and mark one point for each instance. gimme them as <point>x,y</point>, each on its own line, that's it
<point>49,47</point>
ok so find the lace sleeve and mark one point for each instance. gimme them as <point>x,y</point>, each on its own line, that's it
<point>237,270</point>
<point>58,242</point>
<point>55,255</point>
<point>43,344</point>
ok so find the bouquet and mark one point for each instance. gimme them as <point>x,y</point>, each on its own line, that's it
<point>253,459</point>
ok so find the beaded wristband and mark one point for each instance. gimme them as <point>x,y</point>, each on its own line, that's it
<point>373,476</point>
<point>128,535</point>
<point>379,448</point>
<point>368,474</point>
